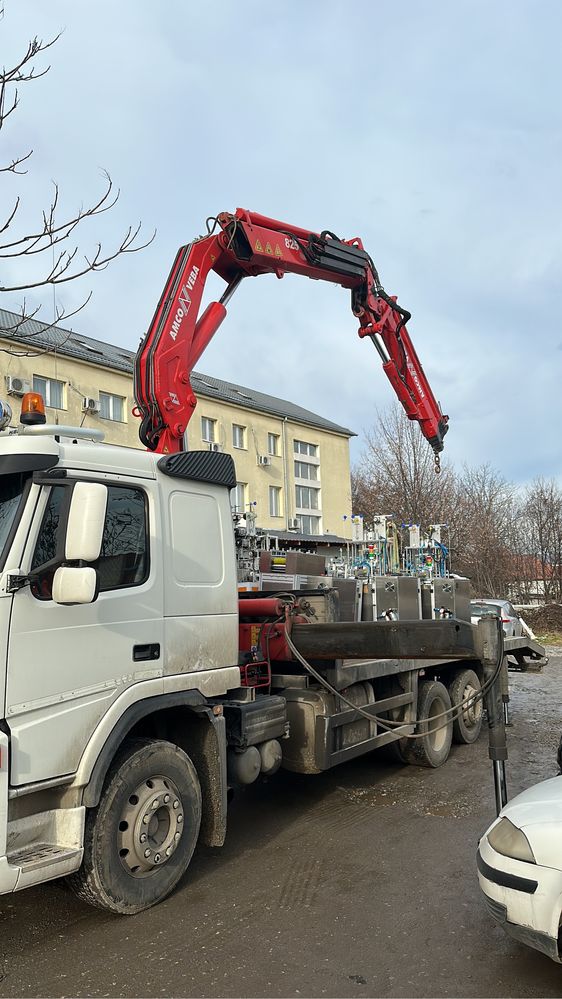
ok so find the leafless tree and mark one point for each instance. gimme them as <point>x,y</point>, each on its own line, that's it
<point>538,552</point>
<point>485,517</point>
<point>396,474</point>
<point>48,253</point>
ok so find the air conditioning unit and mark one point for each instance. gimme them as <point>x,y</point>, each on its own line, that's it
<point>264,459</point>
<point>17,386</point>
<point>293,524</point>
<point>90,405</point>
<point>215,447</point>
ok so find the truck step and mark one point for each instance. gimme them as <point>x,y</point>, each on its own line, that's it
<point>41,856</point>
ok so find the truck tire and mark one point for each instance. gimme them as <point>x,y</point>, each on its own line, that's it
<point>139,840</point>
<point>464,685</point>
<point>396,752</point>
<point>433,745</point>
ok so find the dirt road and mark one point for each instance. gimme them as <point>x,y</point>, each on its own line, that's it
<point>361,882</point>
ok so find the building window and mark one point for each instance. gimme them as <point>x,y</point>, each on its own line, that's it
<point>112,407</point>
<point>238,497</point>
<point>302,447</point>
<point>274,501</point>
<point>308,524</point>
<point>51,390</point>
<point>307,498</point>
<point>208,429</point>
<point>273,444</point>
<point>238,435</point>
<point>304,470</point>
<point>124,558</point>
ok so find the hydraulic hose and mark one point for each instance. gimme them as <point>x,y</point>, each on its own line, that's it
<point>455,711</point>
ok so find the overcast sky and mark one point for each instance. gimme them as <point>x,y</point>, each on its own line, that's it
<point>432,130</point>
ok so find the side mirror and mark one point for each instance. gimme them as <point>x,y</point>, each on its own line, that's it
<point>75,586</point>
<point>86,519</point>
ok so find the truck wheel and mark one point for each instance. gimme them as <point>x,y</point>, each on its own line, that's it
<point>140,838</point>
<point>463,688</point>
<point>397,751</point>
<point>433,745</point>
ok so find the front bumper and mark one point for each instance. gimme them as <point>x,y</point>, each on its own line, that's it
<point>525,899</point>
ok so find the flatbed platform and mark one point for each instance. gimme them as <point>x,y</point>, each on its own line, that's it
<point>523,648</point>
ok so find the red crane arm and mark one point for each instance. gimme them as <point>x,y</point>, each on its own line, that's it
<point>245,245</point>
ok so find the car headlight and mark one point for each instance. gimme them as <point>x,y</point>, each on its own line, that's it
<point>507,839</point>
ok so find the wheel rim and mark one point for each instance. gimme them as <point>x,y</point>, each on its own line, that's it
<point>150,826</point>
<point>437,732</point>
<point>472,706</point>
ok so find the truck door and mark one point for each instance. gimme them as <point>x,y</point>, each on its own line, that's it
<point>67,664</point>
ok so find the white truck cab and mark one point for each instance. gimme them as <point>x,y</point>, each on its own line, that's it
<point>118,622</point>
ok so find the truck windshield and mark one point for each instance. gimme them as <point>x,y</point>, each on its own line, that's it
<point>11,492</point>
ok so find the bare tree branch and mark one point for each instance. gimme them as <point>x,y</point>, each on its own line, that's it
<point>15,329</point>
<point>13,166</point>
<point>53,233</point>
<point>11,216</point>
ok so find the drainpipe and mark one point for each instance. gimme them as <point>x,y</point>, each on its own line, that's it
<point>285,473</point>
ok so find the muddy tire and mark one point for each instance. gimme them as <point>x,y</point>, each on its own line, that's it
<point>394,752</point>
<point>463,687</point>
<point>433,744</point>
<point>139,840</point>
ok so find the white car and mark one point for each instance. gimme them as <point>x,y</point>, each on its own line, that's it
<point>512,627</point>
<point>520,867</point>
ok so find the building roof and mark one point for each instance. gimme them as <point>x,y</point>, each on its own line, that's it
<point>39,336</point>
<point>249,398</point>
<point>529,568</point>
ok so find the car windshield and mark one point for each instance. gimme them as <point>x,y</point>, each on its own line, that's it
<point>11,491</point>
<point>477,610</point>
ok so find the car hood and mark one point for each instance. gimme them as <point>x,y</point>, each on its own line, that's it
<point>539,802</point>
<point>538,812</point>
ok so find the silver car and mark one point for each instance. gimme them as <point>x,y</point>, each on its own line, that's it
<point>512,627</point>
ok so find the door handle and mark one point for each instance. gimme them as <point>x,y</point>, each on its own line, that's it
<point>143,652</point>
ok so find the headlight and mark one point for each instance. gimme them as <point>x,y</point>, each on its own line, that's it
<point>508,840</point>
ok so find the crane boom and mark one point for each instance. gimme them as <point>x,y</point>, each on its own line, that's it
<point>246,245</point>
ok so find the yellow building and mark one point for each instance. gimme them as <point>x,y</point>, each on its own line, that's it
<point>292,465</point>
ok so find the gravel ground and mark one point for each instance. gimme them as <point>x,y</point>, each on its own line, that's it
<point>360,882</point>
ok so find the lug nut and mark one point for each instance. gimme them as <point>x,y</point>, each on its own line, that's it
<point>169,851</point>
<point>156,802</point>
<point>180,818</point>
<point>146,819</point>
<point>156,858</point>
<point>177,835</point>
<point>166,798</point>
<point>143,838</point>
<point>176,803</point>
<point>147,853</point>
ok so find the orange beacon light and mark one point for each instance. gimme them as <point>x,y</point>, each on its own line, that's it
<point>32,409</point>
